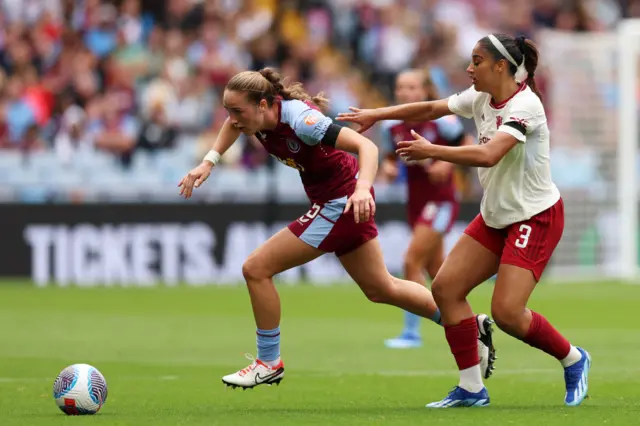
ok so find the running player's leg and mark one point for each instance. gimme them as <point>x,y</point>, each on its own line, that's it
<point>456,278</point>
<point>281,252</point>
<point>528,248</point>
<point>426,251</point>
<point>425,247</point>
<point>365,265</point>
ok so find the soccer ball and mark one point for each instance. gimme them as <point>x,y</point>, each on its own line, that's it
<point>80,389</point>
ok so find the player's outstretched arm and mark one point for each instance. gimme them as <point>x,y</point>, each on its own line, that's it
<point>361,201</point>
<point>416,111</point>
<point>485,155</point>
<point>227,136</point>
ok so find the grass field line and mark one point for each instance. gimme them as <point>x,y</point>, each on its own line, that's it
<point>337,374</point>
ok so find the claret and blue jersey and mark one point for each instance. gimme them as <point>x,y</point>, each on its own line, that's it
<point>327,173</point>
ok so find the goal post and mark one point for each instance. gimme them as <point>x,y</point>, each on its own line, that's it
<point>628,57</point>
<point>592,106</point>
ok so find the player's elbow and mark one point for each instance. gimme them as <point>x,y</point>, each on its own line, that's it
<point>488,158</point>
<point>372,148</point>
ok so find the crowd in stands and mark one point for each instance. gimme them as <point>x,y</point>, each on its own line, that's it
<point>80,78</point>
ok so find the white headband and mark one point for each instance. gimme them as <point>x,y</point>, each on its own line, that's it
<point>521,74</point>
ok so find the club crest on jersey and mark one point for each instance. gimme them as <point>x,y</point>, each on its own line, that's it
<point>498,121</point>
<point>429,135</point>
<point>310,120</point>
<point>293,145</point>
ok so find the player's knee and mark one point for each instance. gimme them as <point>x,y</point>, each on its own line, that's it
<point>508,317</point>
<point>254,269</point>
<point>412,264</point>
<point>381,292</point>
<point>441,290</point>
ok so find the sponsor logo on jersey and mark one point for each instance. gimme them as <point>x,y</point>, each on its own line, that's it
<point>498,121</point>
<point>289,162</point>
<point>293,145</point>
<point>310,120</point>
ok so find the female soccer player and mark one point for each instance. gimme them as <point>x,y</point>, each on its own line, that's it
<point>432,205</point>
<point>521,215</point>
<point>289,125</point>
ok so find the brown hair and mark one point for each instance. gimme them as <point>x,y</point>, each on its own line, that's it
<point>268,85</point>
<point>428,85</point>
<point>519,48</point>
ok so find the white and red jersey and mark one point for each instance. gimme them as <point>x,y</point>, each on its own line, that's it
<point>520,185</point>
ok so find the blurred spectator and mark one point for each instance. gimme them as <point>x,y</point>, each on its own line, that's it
<point>124,76</point>
<point>72,136</point>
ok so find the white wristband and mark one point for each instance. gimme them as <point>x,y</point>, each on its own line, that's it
<point>212,156</point>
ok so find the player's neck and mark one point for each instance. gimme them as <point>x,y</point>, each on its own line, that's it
<point>272,117</point>
<point>504,91</point>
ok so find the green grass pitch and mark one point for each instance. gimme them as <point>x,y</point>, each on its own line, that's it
<point>163,351</point>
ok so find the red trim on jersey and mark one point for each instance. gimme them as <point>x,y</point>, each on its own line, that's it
<point>503,103</point>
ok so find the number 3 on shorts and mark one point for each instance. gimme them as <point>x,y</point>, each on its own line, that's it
<point>523,239</point>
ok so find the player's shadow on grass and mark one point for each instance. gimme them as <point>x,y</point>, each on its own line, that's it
<point>404,410</point>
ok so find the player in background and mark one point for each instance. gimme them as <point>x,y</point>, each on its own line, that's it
<point>432,205</point>
<point>289,125</point>
<point>521,214</point>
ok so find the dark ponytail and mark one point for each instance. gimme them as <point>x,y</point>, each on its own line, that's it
<point>519,48</point>
<point>530,53</point>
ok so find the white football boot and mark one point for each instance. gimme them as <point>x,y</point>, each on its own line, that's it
<point>258,373</point>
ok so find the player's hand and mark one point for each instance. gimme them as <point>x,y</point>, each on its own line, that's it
<point>418,149</point>
<point>195,178</point>
<point>439,171</point>
<point>363,204</point>
<point>364,117</point>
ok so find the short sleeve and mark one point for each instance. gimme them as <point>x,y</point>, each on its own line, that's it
<point>450,129</point>
<point>524,116</point>
<point>308,124</point>
<point>462,103</point>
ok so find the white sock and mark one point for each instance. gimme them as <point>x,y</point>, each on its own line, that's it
<point>272,363</point>
<point>573,357</point>
<point>471,379</point>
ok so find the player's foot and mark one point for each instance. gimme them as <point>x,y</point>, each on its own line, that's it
<point>486,349</point>
<point>459,397</point>
<point>258,373</point>
<point>576,377</point>
<point>404,341</point>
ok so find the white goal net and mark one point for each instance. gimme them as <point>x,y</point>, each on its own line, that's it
<point>591,102</point>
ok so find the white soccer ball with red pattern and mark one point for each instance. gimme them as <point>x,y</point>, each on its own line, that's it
<point>80,389</point>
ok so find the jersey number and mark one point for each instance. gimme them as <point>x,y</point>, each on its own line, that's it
<point>523,239</point>
<point>311,214</point>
